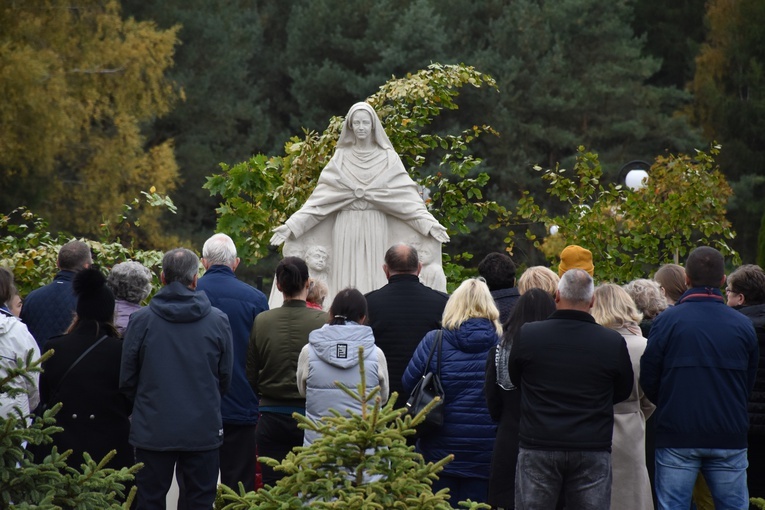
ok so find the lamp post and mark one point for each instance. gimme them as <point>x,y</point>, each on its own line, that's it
<point>634,174</point>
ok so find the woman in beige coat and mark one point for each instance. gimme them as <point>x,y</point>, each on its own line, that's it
<point>631,488</point>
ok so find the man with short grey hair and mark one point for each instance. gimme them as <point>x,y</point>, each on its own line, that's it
<point>177,359</point>
<point>239,407</point>
<point>571,372</point>
<point>49,310</point>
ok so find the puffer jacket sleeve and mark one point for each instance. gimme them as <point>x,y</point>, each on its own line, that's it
<point>416,367</point>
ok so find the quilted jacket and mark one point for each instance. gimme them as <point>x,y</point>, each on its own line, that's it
<point>49,310</point>
<point>468,431</point>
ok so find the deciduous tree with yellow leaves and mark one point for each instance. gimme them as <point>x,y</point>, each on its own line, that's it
<point>78,82</point>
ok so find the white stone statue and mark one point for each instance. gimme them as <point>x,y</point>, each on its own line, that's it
<point>364,202</point>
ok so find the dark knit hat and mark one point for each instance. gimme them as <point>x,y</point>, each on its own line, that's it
<point>95,301</point>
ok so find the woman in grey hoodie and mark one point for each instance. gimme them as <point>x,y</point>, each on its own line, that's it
<point>332,354</point>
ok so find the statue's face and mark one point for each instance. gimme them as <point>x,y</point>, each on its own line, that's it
<point>361,122</point>
<point>316,260</point>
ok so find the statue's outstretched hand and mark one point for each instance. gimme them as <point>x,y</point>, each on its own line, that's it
<point>438,232</point>
<point>280,235</point>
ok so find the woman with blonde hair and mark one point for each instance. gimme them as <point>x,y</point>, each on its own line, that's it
<point>470,329</point>
<point>539,277</point>
<point>631,487</point>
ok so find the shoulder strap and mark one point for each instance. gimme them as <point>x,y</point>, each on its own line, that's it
<point>87,351</point>
<point>439,336</point>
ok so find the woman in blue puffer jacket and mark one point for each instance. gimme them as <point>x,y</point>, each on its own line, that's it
<point>470,329</point>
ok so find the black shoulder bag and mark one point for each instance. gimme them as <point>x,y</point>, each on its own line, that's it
<point>428,388</point>
<point>43,406</point>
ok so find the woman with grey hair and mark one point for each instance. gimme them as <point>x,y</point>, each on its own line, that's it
<point>131,283</point>
<point>649,299</point>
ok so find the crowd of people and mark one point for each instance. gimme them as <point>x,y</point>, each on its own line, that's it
<point>559,391</point>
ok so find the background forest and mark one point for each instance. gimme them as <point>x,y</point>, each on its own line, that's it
<point>103,99</point>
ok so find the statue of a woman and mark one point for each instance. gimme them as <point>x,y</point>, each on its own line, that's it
<point>363,185</point>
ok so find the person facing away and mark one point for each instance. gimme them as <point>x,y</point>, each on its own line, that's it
<point>631,486</point>
<point>276,340</point>
<point>131,283</point>
<point>15,344</point>
<point>539,277</point>
<point>746,293</point>
<point>177,360</point>
<point>503,398</point>
<point>94,414</point>
<point>401,312</point>
<point>498,269</point>
<point>332,355</point>
<point>470,329</point>
<point>571,372</point>
<point>48,311</point>
<point>699,368</point>
<point>671,280</point>
<point>239,406</point>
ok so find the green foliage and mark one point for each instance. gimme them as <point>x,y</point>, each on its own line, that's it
<point>222,115</point>
<point>49,484</point>
<point>757,503</point>
<point>30,250</point>
<point>359,461</point>
<point>729,104</point>
<point>632,232</point>
<point>78,83</point>
<point>263,192</point>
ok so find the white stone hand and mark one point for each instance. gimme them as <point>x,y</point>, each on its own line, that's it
<point>280,235</point>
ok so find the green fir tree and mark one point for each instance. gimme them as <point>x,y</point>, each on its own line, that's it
<point>48,483</point>
<point>359,461</point>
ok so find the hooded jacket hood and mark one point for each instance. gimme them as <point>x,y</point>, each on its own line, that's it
<point>338,345</point>
<point>178,303</point>
<point>474,335</point>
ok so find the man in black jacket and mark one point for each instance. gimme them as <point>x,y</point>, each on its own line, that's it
<point>401,312</point>
<point>571,372</point>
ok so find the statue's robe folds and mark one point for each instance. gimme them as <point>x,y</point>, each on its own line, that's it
<point>360,195</point>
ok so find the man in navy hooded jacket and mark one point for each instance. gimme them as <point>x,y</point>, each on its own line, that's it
<point>177,357</point>
<point>239,407</point>
<point>699,368</point>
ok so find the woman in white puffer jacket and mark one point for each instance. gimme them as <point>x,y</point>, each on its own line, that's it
<point>15,342</point>
<point>332,354</point>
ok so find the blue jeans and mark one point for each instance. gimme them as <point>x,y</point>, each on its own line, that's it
<point>724,472</point>
<point>584,477</point>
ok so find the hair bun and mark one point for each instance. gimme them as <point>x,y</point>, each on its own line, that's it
<point>88,281</point>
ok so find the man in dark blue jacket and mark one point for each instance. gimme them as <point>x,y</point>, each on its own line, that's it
<point>177,358</point>
<point>49,310</point>
<point>699,368</point>
<point>239,407</point>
